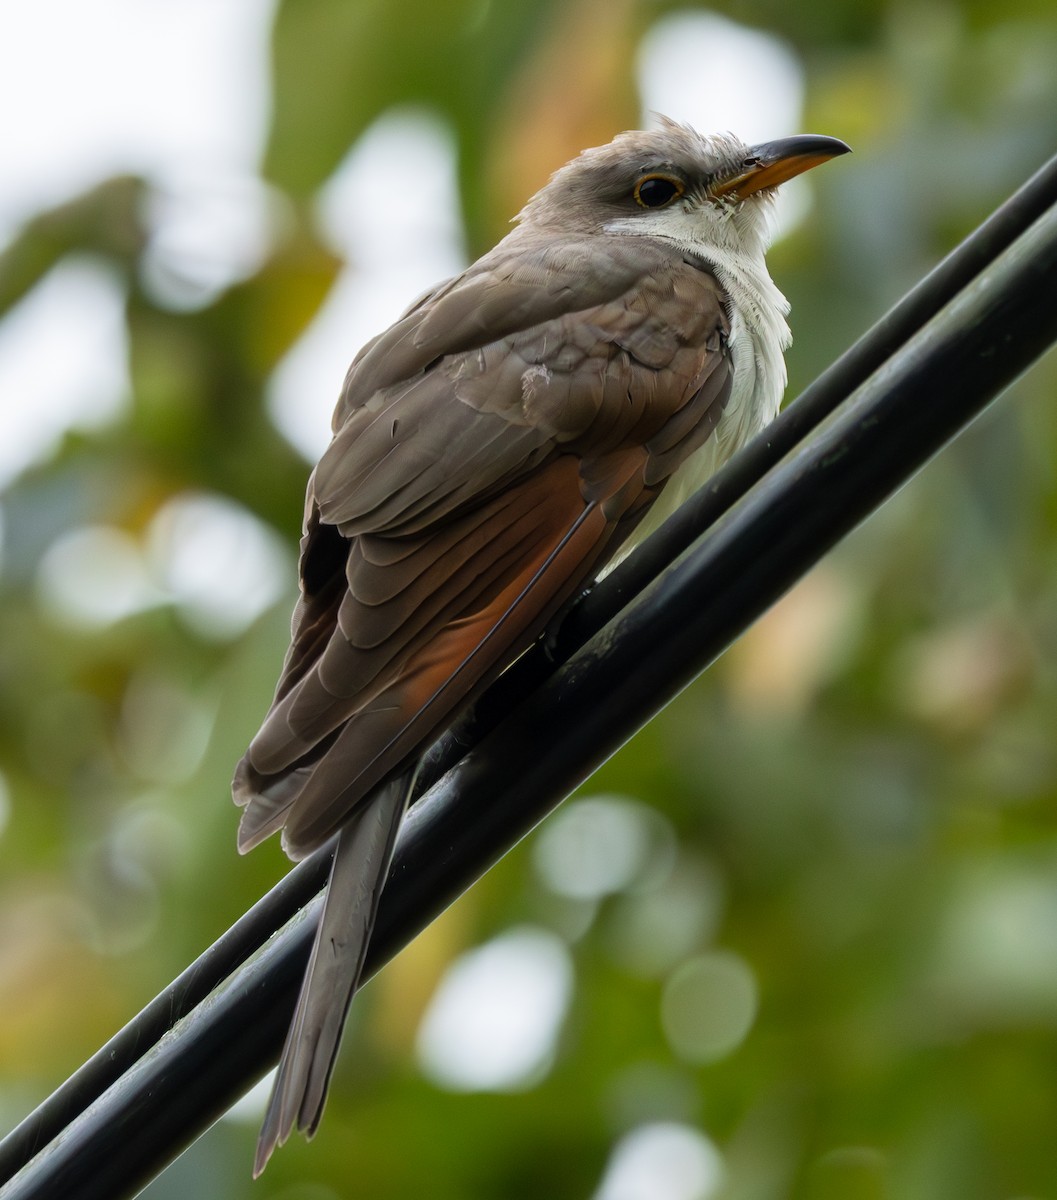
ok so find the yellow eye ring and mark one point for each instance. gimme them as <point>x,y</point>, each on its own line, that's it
<point>655,191</point>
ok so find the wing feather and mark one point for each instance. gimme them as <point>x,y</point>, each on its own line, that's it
<point>491,452</point>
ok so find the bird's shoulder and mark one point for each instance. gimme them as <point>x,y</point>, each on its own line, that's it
<point>532,286</point>
<point>577,342</point>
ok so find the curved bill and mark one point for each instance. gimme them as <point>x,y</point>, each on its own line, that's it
<point>772,163</point>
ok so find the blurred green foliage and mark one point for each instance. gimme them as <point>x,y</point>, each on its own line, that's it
<point>860,799</point>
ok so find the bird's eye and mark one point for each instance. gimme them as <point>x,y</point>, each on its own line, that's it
<point>655,191</point>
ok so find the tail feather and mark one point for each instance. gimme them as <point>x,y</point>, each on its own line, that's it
<point>357,876</point>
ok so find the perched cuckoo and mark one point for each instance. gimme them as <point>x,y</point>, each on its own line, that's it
<point>492,451</point>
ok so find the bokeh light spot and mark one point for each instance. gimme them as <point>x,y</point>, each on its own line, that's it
<point>662,1161</point>
<point>221,565</point>
<point>95,575</point>
<point>600,845</point>
<point>493,1021</point>
<point>650,930</point>
<point>63,361</point>
<point>708,1006</point>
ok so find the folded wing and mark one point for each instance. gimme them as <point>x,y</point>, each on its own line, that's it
<point>474,483</point>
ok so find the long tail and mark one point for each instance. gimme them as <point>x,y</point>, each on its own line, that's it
<point>357,876</point>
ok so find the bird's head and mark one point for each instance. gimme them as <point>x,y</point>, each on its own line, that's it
<point>677,183</point>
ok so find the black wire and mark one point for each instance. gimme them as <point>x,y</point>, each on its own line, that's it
<point>163,1093</point>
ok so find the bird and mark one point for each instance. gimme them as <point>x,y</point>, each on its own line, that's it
<point>492,452</point>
